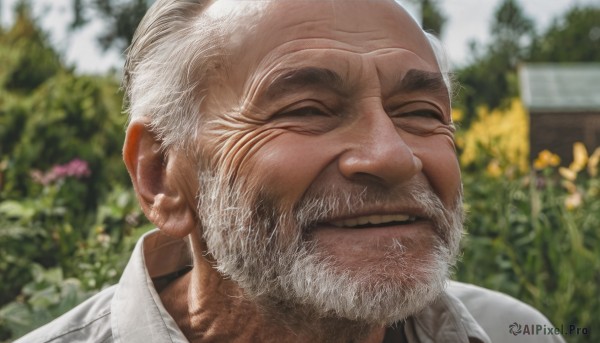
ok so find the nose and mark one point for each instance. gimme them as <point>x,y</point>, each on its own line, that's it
<point>377,153</point>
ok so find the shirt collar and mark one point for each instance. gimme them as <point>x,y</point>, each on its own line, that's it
<point>445,320</point>
<point>139,316</point>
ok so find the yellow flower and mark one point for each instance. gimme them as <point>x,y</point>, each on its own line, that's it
<point>573,201</point>
<point>567,173</point>
<point>493,168</point>
<point>569,186</point>
<point>593,162</point>
<point>580,157</point>
<point>457,115</point>
<point>501,133</point>
<point>546,159</point>
<point>554,160</point>
<point>459,141</point>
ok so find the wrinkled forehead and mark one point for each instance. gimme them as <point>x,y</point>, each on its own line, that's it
<point>258,28</point>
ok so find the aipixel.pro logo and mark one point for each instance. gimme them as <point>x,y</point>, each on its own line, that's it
<point>516,329</point>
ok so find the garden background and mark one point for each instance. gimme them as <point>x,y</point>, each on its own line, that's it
<point>69,218</point>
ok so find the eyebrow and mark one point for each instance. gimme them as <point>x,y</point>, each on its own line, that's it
<point>292,80</point>
<point>416,80</point>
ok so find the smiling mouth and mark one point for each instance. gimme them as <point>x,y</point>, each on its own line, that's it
<point>374,221</point>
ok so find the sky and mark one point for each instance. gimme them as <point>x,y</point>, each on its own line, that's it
<point>467,20</point>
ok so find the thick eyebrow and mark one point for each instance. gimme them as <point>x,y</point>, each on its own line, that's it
<point>291,80</point>
<point>416,80</point>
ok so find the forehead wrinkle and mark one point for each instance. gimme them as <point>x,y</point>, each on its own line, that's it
<point>283,59</point>
<point>276,63</point>
<point>317,42</point>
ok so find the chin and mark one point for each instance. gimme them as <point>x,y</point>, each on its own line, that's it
<point>395,288</point>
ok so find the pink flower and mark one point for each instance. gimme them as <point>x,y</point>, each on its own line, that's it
<point>76,168</point>
<point>39,177</point>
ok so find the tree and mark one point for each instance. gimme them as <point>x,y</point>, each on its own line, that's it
<point>27,58</point>
<point>121,16</point>
<point>511,28</point>
<point>433,18</point>
<point>490,80</point>
<point>48,117</point>
<point>572,38</point>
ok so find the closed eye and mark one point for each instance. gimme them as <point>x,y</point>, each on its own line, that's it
<point>418,109</point>
<point>420,119</point>
<point>304,112</point>
<point>307,117</point>
<point>305,108</point>
<point>424,113</point>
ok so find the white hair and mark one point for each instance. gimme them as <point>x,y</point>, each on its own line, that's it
<point>441,56</point>
<point>175,52</point>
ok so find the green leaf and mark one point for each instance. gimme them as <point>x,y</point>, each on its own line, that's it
<point>16,209</point>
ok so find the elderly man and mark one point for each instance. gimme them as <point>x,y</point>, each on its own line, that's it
<point>298,160</point>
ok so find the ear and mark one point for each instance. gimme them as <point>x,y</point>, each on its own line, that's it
<point>165,184</point>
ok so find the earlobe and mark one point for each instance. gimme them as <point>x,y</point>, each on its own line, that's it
<point>164,196</point>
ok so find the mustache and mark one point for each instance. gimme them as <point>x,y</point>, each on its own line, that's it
<point>320,205</point>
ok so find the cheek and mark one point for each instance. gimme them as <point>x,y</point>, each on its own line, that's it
<point>440,166</point>
<point>289,164</point>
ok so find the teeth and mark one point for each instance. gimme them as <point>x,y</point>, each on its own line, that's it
<point>374,219</point>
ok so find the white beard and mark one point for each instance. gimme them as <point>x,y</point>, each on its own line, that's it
<point>269,253</point>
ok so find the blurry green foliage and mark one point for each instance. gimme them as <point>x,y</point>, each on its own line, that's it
<point>490,78</point>
<point>434,19</point>
<point>575,37</point>
<point>83,113</point>
<point>536,237</point>
<point>48,296</point>
<point>121,18</point>
<point>81,226</point>
<point>25,55</point>
<point>50,116</point>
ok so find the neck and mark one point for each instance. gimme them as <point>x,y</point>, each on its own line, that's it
<point>208,307</point>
